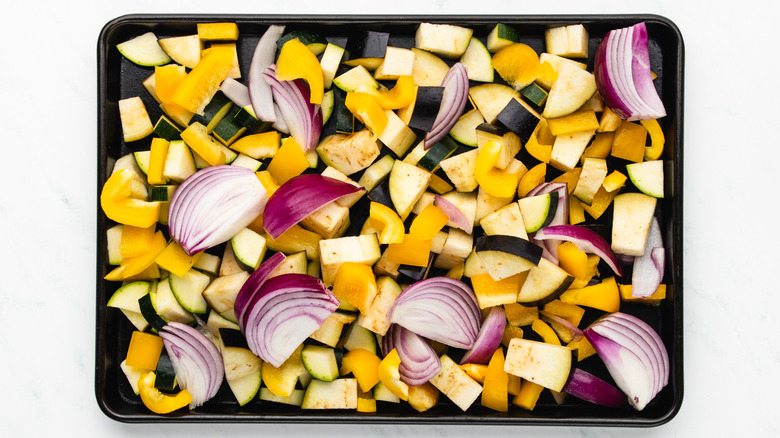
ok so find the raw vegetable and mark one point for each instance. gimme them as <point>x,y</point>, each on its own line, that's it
<point>196,360</point>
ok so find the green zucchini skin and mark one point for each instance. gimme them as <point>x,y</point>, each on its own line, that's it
<point>148,312</point>
<point>166,376</point>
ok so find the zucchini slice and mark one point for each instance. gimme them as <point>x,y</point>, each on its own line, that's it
<point>144,50</point>
<point>320,362</point>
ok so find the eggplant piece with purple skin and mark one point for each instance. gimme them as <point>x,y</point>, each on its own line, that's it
<point>518,119</point>
<point>426,108</point>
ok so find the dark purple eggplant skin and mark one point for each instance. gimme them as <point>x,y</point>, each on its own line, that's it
<point>426,107</point>
<point>368,44</point>
<point>518,119</point>
<point>510,245</point>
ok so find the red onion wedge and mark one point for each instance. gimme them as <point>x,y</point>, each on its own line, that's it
<point>549,317</point>
<point>237,92</point>
<point>214,204</point>
<point>252,285</point>
<point>298,198</point>
<point>488,339</point>
<point>634,355</point>
<point>561,217</point>
<point>419,363</point>
<point>586,240</point>
<point>649,268</point>
<point>623,77</point>
<point>302,118</point>
<point>283,312</point>
<point>441,309</point>
<point>453,212</point>
<point>586,386</point>
<point>196,361</point>
<point>259,91</point>
<point>454,98</point>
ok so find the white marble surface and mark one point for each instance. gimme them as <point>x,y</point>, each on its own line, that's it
<point>48,84</point>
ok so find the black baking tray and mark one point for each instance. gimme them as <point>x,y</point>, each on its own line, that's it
<point>118,78</point>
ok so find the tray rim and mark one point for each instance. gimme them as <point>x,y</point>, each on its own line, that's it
<point>353,418</point>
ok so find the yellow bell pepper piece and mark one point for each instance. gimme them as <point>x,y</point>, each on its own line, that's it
<point>386,221</point>
<point>518,64</point>
<point>573,260</point>
<point>289,161</point>
<point>456,271</point>
<point>135,241</point>
<point>294,240</point>
<point>198,139</point>
<point>157,154</point>
<point>258,146</point>
<point>410,252</point>
<point>583,347</point>
<point>495,389</point>
<point>656,148</point>
<point>267,181</point>
<point>601,146</point>
<point>614,181</point>
<point>166,79</point>
<point>428,223</point>
<point>528,396</point>
<point>603,296</point>
<point>491,293</point>
<point>400,96</point>
<point>158,402</point>
<point>391,377</point>
<point>539,145</point>
<point>531,179</point>
<point>546,332</point>
<point>175,259</point>
<point>296,61</point>
<point>365,403</point>
<point>654,299</point>
<point>576,211</point>
<point>135,265</point>
<point>281,380</point>
<point>202,82</point>
<point>366,109</point>
<point>364,365</point>
<point>218,31</point>
<point>144,350</point>
<point>355,283</point>
<point>475,371</point>
<point>629,142</point>
<point>423,397</point>
<point>569,312</point>
<point>120,207</point>
<point>580,120</point>
<point>494,181</point>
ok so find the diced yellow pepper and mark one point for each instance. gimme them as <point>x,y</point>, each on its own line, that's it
<point>355,283</point>
<point>281,380</point>
<point>456,271</point>
<point>601,202</point>
<point>144,350</point>
<point>296,61</point>
<point>400,96</point>
<point>593,270</point>
<point>294,240</point>
<point>366,109</point>
<point>428,223</point>
<point>196,90</point>
<point>120,207</point>
<point>583,347</point>
<point>657,296</point>
<point>365,403</point>
<point>175,259</point>
<point>475,370</point>
<point>258,146</point>
<point>656,148</point>
<point>540,143</point>
<point>494,181</point>
<point>218,31</point>
<point>580,120</point>
<point>495,389</point>
<point>629,142</point>
<point>576,211</point>
<point>609,121</point>
<point>519,315</point>
<point>132,266</point>
<point>391,377</point>
<point>386,221</point>
<point>166,79</point>
<point>157,153</point>
<point>158,402</point>
<point>528,396</point>
<point>601,145</point>
<point>411,251</point>
<point>438,185</point>
<point>135,240</point>
<point>423,397</point>
<point>531,179</point>
<point>289,161</point>
<point>614,181</point>
<point>518,64</point>
<point>569,312</point>
<point>570,177</point>
<point>197,138</point>
<point>491,293</point>
<point>364,365</point>
<point>603,296</point>
<point>573,260</point>
<point>548,335</point>
<point>268,181</point>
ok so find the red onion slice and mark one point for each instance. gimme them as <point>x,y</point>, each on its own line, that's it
<point>623,76</point>
<point>299,197</point>
<point>453,212</point>
<point>454,98</point>
<point>586,240</point>
<point>488,339</point>
<point>419,362</point>
<point>252,285</point>
<point>283,312</point>
<point>651,337</point>
<point>586,386</point>
<point>214,204</point>
<point>649,268</point>
<point>259,91</point>
<point>302,118</point>
<point>237,92</point>
<point>441,309</point>
<point>196,361</point>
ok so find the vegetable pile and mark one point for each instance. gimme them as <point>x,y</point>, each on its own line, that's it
<point>353,224</point>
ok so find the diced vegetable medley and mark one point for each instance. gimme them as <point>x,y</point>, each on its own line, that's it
<point>344,222</point>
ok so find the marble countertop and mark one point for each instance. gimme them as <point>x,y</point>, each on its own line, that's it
<point>48,81</point>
